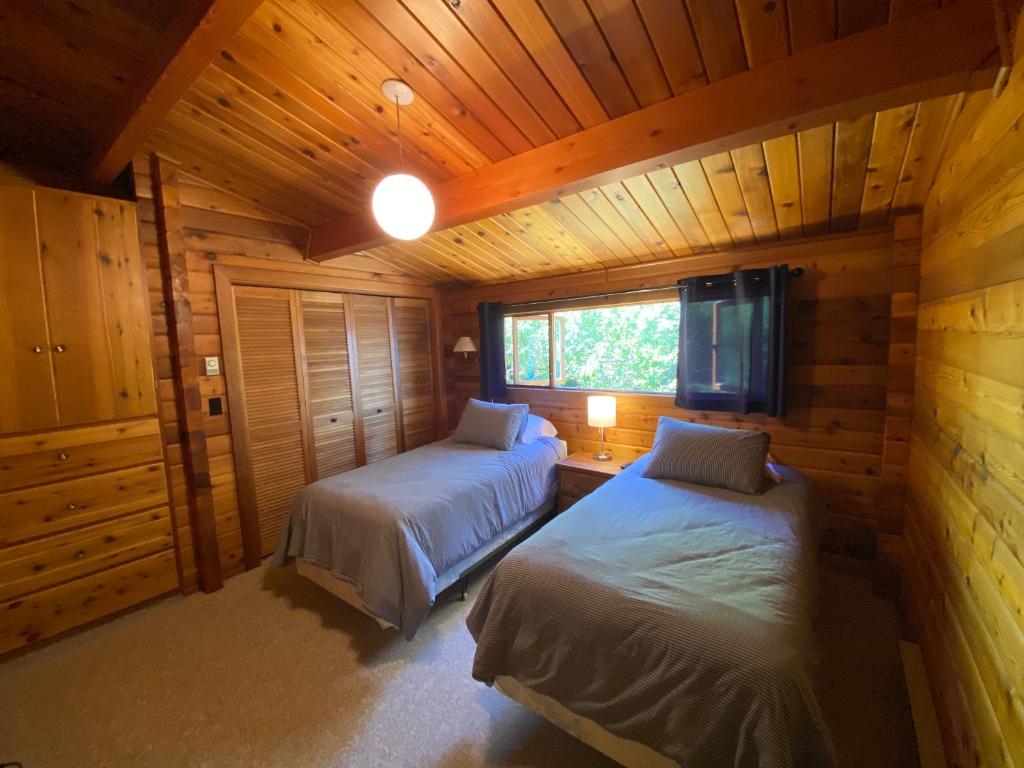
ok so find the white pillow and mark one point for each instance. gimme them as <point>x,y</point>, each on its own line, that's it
<point>537,426</point>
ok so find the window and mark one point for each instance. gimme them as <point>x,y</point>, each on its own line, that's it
<point>626,347</point>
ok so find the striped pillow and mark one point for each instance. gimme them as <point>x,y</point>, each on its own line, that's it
<point>492,425</point>
<point>697,453</point>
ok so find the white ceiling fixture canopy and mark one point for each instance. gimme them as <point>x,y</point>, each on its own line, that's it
<point>402,204</point>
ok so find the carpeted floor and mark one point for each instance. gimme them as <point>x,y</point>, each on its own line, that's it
<point>272,671</point>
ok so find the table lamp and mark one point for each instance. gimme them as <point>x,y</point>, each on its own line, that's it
<point>601,414</point>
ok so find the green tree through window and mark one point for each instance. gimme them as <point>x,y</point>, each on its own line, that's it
<point>630,348</point>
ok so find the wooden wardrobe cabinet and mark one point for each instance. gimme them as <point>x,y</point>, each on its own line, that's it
<point>320,383</point>
<point>74,324</point>
<point>85,520</point>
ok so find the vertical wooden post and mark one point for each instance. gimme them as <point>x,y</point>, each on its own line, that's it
<point>899,396</point>
<point>191,423</point>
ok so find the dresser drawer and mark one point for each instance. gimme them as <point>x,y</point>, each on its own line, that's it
<point>47,509</point>
<point>577,483</point>
<point>51,611</point>
<point>49,457</point>
<point>42,563</point>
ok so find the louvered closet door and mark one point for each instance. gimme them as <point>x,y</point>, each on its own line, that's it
<point>328,383</point>
<point>416,380</point>
<point>375,376</point>
<point>273,409</point>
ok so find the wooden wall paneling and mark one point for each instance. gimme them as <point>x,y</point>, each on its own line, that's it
<point>963,569</point>
<point>191,429</point>
<point>27,390</point>
<point>835,430</point>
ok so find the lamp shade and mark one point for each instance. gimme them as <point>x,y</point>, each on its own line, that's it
<point>464,344</point>
<point>403,206</point>
<point>601,411</point>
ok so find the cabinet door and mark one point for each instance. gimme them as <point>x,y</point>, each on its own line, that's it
<point>328,383</point>
<point>415,371</point>
<point>272,457</point>
<point>96,307</point>
<point>374,376</point>
<point>27,399</point>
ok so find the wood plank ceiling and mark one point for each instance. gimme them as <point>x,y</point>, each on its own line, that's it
<point>291,116</point>
<point>840,177</point>
<point>70,67</point>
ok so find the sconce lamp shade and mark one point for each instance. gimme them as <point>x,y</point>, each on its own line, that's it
<point>464,344</point>
<point>601,411</point>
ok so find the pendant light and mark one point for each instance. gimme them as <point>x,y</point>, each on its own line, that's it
<point>402,204</point>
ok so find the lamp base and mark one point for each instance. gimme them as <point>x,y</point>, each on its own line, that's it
<point>602,456</point>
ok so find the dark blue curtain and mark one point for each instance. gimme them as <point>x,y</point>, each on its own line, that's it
<point>492,350</point>
<point>732,342</point>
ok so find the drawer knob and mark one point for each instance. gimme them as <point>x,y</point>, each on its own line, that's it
<point>334,419</point>
<point>380,410</point>
<point>63,456</point>
<point>37,349</point>
<point>59,348</point>
<point>72,505</point>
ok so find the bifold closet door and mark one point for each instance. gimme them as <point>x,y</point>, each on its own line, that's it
<point>328,380</point>
<point>376,412</point>
<point>273,408</point>
<point>415,376</point>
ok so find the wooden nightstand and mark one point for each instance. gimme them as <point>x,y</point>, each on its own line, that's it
<point>579,474</point>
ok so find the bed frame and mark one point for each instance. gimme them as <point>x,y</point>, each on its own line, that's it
<point>455,577</point>
<point>626,752</point>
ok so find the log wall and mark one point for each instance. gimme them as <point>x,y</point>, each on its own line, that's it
<point>851,378</point>
<point>965,532</point>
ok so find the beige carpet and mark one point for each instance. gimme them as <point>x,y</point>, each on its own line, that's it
<point>272,671</point>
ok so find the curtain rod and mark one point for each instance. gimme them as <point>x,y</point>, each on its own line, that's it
<point>796,272</point>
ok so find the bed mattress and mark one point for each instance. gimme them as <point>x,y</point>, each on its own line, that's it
<point>392,528</point>
<point>674,615</point>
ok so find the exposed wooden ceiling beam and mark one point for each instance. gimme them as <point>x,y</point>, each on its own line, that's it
<point>177,69</point>
<point>931,54</point>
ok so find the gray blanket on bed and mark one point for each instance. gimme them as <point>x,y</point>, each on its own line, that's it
<point>390,528</point>
<point>672,614</point>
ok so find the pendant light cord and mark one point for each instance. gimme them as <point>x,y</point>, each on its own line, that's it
<point>398,124</point>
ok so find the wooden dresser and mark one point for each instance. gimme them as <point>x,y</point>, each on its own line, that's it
<point>85,528</point>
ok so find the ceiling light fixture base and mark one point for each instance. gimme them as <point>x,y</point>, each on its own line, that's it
<point>395,90</point>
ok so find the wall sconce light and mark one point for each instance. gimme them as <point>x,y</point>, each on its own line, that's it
<point>464,345</point>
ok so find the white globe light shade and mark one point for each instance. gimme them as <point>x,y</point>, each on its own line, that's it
<point>403,206</point>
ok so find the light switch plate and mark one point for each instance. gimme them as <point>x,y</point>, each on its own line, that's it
<point>212,365</point>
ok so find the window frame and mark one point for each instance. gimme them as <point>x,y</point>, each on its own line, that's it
<point>660,296</point>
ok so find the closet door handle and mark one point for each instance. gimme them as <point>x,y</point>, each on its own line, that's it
<point>37,349</point>
<point>59,348</point>
<point>334,419</point>
<point>72,505</point>
<point>63,456</point>
<point>380,410</point>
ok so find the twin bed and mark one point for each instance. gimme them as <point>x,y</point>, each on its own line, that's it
<point>661,622</point>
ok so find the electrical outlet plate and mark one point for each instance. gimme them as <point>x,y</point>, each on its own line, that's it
<point>212,365</point>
